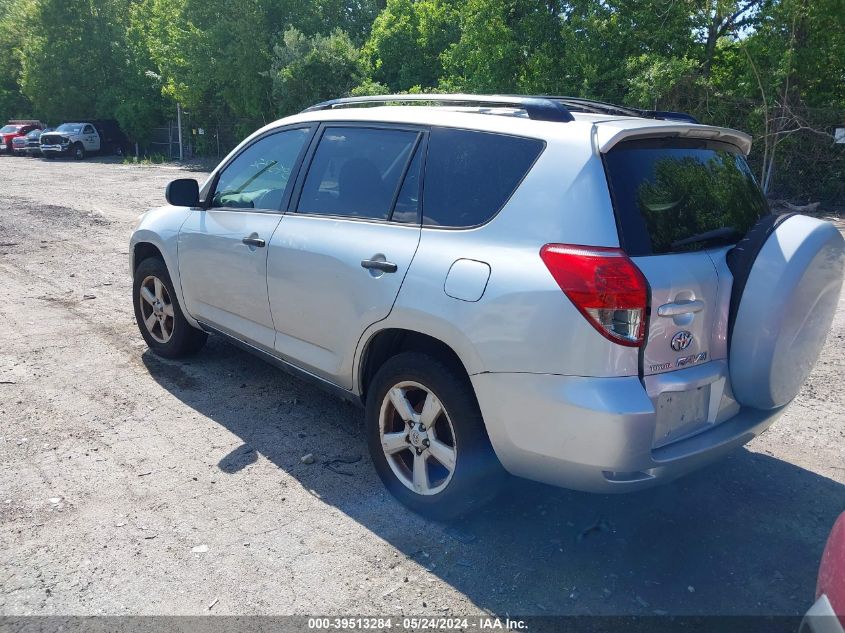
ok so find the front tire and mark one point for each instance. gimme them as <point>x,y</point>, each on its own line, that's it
<point>158,314</point>
<point>427,438</point>
<point>78,151</point>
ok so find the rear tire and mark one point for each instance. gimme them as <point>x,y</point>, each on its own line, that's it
<point>159,315</point>
<point>446,468</point>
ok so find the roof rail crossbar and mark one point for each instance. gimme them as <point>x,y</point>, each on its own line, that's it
<point>601,107</point>
<point>537,108</point>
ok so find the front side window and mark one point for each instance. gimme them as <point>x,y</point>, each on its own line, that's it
<point>356,171</point>
<point>260,175</point>
<point>470,175</point>
<point>88,130</point>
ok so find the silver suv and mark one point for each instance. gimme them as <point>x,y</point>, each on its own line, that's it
<point>569,291</point>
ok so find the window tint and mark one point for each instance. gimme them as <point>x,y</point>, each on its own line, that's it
<point>470,175</point>
<point>259,176</point>
<point>666,191</point>
<point>355,172</point>
<point>407,206</point>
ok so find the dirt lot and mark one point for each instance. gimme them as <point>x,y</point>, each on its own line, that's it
<point>133,485</point>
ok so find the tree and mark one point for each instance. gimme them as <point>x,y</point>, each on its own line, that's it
<point>311,69</point>
<point>70,62</point>
<point>13,103</point>
<point>407,40</point>
<point>507,46</point>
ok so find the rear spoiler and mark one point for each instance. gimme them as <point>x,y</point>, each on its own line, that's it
<point>607,134</point>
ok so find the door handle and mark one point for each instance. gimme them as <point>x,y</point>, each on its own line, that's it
<point>677,308</point>
<point>254,241</point>
<point>375,264</point>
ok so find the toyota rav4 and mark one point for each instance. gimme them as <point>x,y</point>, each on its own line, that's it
<point>577,293</point>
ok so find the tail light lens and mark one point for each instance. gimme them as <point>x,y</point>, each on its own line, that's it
<point>605,286</point>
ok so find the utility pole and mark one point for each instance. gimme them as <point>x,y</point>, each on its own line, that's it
<point>179,125</point>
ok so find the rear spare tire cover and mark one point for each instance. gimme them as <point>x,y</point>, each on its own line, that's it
<point>785,311</point>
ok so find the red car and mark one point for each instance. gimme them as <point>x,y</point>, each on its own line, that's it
<point>14,129</point>
<point>827,615</point>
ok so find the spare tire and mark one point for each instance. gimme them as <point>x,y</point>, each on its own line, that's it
<point>787,279</point>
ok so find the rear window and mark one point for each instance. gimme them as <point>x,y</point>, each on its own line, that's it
<point>672,195</point>
<point>470,175</point>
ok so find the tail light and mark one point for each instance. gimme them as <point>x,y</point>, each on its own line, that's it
<point>605,286</point>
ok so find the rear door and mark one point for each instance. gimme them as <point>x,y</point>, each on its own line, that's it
<point>680,206</point>
<point>222,248</point>
<point>336,264</point>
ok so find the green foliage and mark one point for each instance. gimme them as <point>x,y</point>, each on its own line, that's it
<point>311,69</point>
<point>407,41</point>
<point>13,103</point>
<point>771,67</point>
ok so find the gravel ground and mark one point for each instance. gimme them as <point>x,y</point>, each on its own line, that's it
<point>131,485</point>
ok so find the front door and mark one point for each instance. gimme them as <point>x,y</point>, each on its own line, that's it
<point>336,264</point>
<point>90,139</point>
<point>223,247</point>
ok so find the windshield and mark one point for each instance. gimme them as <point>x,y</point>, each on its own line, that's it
<point>672,195</point>
<point>73,128</point>
<point>34,134</point>
<point>8,129</point>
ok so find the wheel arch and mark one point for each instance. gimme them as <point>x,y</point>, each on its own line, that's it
<point>145,250</point>
<point>387,342</point>
<point>157,235</point>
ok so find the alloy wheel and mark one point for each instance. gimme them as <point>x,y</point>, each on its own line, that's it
<point>156,309</point>
<point>417,438</point>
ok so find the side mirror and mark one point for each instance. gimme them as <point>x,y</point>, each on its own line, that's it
<point>183,192</point>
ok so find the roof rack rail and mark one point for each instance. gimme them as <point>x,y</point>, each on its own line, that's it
<point>590,105</point>
<point>537,108</point>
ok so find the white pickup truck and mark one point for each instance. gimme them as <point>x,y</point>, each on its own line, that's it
<point>80,139</point>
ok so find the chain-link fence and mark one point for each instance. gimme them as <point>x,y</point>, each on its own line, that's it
<point>200,140</point>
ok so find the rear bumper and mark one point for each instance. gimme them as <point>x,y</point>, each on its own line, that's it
<point>598,434</point>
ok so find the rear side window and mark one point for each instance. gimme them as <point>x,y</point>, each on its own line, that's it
<point>470,175</point>
<point>672,195</point>
<point>356,172</point>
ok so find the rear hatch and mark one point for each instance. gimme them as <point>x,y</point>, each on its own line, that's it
<point>680,204</point>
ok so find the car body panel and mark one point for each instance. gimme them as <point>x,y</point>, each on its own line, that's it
<point>596,434</point>
<point>224,280</point>
<point>159,228</point>
<point>684,302</point>
<point>320,295</point>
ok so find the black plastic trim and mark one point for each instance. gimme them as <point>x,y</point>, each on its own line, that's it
<point>537,108</point>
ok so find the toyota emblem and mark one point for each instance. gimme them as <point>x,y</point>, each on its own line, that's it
<point>681,340</point>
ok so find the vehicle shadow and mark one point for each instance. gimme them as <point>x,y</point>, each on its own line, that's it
<point>741,537</point>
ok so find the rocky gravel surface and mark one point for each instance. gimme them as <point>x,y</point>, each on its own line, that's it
<point>132,485</point>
